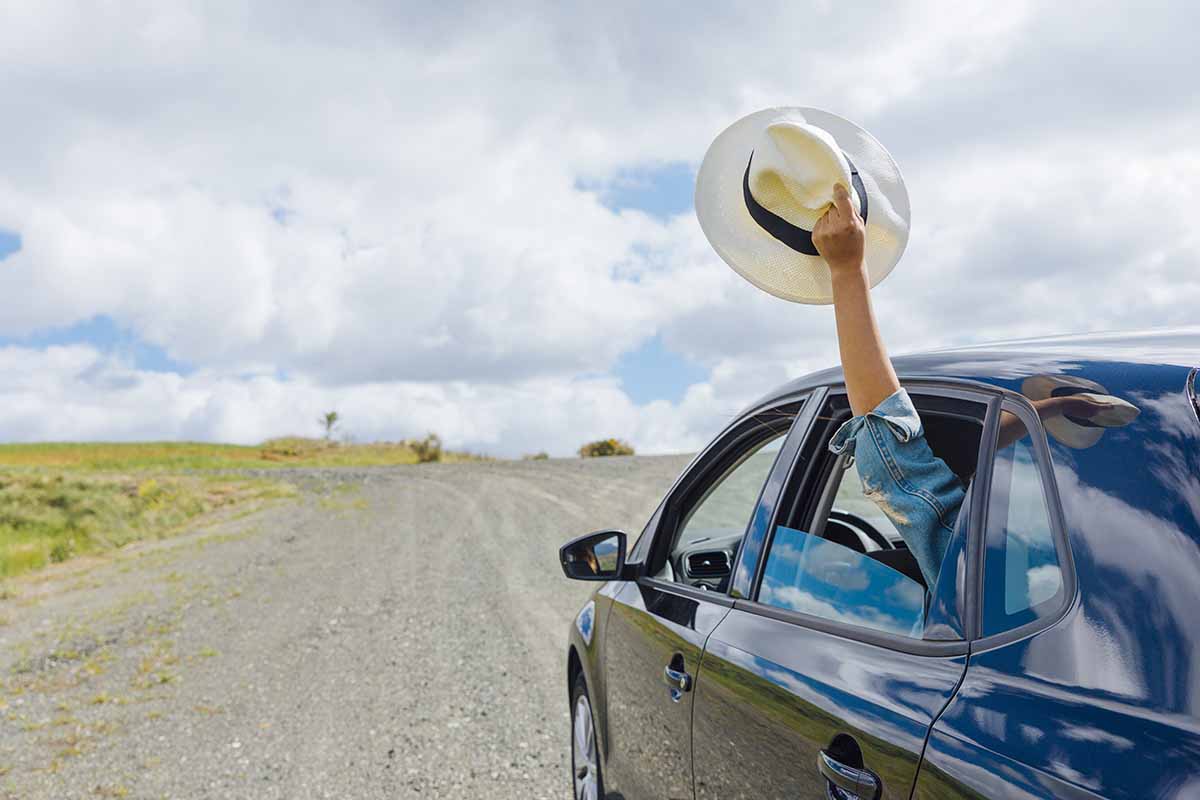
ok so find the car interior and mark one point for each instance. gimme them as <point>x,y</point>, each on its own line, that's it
<point>711,529</point>
<point>846,516</point>
<point>712,526</point>
<point>710,517</point>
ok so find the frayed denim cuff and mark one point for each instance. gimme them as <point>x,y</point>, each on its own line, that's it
<point>897,411</point>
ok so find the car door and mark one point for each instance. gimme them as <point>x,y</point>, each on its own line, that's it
<point>658,624</point>
<point>825,676</point>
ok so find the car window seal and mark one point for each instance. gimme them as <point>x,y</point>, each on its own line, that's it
<point>972,594</point>
<point>1190,388</point>
<point>686,590</point>
<point>889,641</point>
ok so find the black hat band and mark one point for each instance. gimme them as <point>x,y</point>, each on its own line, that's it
<point>794,237</point>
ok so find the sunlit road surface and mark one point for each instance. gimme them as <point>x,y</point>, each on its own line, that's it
<point>391,633</point>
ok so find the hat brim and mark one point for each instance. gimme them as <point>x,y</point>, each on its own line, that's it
<point>762,259</point>
<point>1072,434</point>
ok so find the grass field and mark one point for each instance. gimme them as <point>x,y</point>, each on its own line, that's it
<point>48,516</point>
<point>60,500</point>
<point>173,456</point>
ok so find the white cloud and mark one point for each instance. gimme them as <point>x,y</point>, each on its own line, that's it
<point>381,202</point>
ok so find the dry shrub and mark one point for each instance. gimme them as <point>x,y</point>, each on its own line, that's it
<point>606,447</point>
<point>292,448</point>
<point>428,449</point>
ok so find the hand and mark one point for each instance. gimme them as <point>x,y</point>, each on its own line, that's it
<point>839,236</point>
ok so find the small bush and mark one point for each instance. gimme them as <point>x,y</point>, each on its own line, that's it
<point>61,551</point>
<point>428,449</point>
<point>149,491</point>
<point>539,456</point>
<point>290,448</point>
<point>606,447</point>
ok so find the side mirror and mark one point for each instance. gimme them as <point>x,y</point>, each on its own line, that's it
<point>598,556</point>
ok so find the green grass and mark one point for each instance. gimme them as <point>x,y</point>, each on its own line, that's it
<point>52,516</point>
<point>174,456</point>
<point>61,500</point>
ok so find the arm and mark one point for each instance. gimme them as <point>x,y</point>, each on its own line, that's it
<point>912,486</point>
<point>839,238</point>
<point>1012,430</point>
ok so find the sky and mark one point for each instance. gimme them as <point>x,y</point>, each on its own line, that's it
<point>218,221</point>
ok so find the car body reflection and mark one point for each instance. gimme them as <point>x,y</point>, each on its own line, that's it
<point>1119,673</point>
<point>816,576</point>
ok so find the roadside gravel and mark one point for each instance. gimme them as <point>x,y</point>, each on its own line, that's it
<point>390,633</point>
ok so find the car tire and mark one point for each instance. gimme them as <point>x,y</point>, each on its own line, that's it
<point>586,780</point>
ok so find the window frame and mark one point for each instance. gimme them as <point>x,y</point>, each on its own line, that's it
<point>1024,409</point>
<point>727,447</point>
<point>1193,393</point>
<point>994,398</point>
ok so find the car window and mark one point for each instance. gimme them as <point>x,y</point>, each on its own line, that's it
<point>816,576</point>
<point>713,525</point>
<point>1022,577</point>
<point>835,554</point>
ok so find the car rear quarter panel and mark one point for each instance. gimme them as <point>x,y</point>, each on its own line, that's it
<point>1105,702</point>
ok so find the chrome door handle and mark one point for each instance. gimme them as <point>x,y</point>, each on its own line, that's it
<point>852,780</point>
<point>678,680</point>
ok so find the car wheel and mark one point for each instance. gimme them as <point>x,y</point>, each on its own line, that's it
<point>585,754</point>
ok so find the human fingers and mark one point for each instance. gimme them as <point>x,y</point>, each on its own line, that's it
<point>841,201</point>
<point>826,223</point>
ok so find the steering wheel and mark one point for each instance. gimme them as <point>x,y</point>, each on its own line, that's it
<point>846,518</point>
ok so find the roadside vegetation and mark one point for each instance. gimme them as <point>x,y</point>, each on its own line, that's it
<point>293,451</point>
<point>61,500</point>
<point>51,516</point>
<point>606,447</point>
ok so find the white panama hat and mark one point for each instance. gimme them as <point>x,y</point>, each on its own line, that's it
<point>1080,434</point>
<point>768,178</point>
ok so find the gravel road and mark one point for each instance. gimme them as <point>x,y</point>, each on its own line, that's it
<point>389,633</point>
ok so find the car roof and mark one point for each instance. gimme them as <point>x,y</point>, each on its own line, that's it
<point>1094,356</point>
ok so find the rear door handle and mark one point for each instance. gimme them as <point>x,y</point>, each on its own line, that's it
<point>854,781</point>
<point>677,678</point>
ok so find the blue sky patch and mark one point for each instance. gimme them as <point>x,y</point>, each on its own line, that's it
<point>10,243</point>
<point>103,333</point>
<point>652,372</point>
<point>661,191</point>
<point>283,215</point>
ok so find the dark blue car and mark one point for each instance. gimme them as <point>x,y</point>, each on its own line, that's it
<point>769,635</point>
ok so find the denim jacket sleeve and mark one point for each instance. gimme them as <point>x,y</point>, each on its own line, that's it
<point>912,486</point>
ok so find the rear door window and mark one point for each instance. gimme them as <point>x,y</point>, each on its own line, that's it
<point>1023,579</point>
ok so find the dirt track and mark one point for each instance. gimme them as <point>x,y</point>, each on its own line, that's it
<point>391,633</point>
